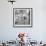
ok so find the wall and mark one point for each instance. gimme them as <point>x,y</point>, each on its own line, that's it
<point>37,32</point>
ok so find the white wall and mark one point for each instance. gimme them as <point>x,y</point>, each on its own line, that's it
<point>37,32</point>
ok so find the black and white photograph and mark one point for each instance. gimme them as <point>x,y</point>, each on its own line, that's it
<point>22,17</point>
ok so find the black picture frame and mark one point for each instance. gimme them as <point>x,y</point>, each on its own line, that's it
<point>20,12</point>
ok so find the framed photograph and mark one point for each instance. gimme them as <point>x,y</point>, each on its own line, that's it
<point>22,17</point>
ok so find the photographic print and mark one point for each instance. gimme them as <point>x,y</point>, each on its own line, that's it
<point>22,17</point>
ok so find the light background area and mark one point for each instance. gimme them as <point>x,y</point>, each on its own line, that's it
<point>37,32</point>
